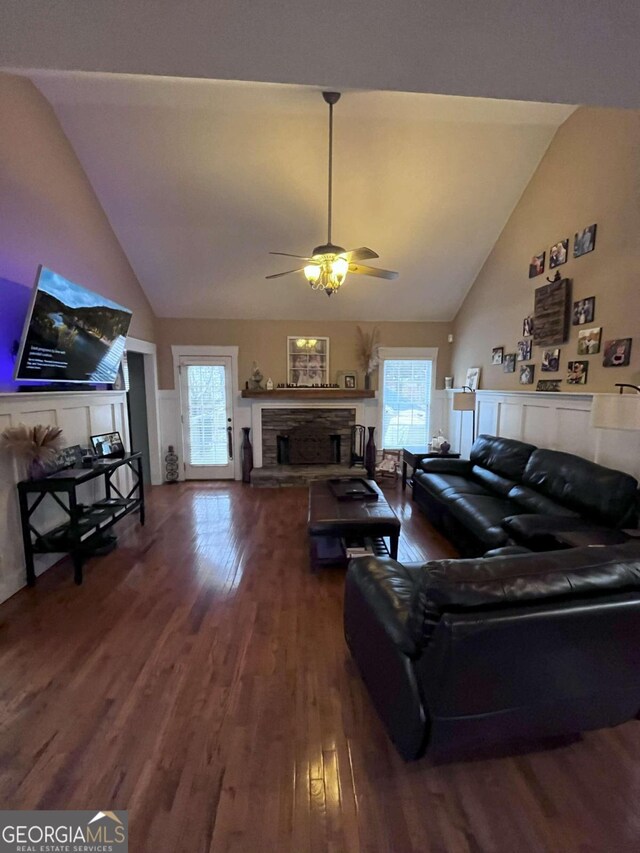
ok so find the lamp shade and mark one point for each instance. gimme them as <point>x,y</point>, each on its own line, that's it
<point>615,411</point>
<point>464,401</point>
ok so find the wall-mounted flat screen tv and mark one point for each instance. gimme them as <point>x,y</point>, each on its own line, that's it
<point>71,334</point>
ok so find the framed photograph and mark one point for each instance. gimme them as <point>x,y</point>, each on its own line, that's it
<point>584,311</point>
<point>307,361</point>
<point>584,241</point>
<point>558,254</point>
<point>550,361</point>
<point>527,327</point>
<point>552,309</point>
<point>473,378</point>
<point>497,354</point>
<point>349,380</point>
<point>536,265</point>
<point>577,372</point>
<point>108,444</point>
<point>524,350</point>
<point>526,374</point>
<point>509,363</point>
<point>548,385</point>
<point>589,341</point>
<point>617,353</point>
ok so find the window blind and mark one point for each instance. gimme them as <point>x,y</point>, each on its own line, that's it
<point>406,402</point>
<point>207,415</point>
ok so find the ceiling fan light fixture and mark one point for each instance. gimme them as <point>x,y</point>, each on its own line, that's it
<point>312,273</point>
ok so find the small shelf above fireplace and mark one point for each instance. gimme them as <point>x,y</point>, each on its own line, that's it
<point>310,394</point>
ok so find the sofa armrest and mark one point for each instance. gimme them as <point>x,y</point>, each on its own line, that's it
<point>387,588</point>
<point>462,467</point>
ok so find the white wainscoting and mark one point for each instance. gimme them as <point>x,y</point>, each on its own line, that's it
<point>559,421</point>
<point>79,415</point>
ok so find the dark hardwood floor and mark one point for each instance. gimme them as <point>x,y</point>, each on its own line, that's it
<point>200,679</point>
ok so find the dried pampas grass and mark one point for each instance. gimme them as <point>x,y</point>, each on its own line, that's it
<point>29,444</point>
<point>367,349</point>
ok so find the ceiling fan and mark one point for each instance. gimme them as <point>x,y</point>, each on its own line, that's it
<point>328,265</point>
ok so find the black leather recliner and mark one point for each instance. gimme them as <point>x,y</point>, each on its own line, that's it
<point>462,653</point>
<point>511,492</point>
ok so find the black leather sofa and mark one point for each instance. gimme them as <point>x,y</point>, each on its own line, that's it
<point>462,653</point>
<point>509,492</point>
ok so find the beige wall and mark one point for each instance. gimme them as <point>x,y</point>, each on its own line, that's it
<point>266,342</point>
<point>49,212</point>
<point>591,173</point>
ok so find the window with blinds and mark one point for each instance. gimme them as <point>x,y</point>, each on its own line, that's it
<point>207,415</point>
<point>406,402</point>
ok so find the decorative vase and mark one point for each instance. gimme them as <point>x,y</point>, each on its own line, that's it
<point>445,447</point>
<point>247,455</point>
<point>367,381</point>
<point>370,455</point>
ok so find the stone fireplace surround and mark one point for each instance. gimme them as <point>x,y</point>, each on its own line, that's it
<point>357,413</point>
<point>277,422</point>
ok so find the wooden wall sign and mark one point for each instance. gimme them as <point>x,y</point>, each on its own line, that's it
<point>552,309</point>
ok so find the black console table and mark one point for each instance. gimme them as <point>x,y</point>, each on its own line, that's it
<point>84,530</point>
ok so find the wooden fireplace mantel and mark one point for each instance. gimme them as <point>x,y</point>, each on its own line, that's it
<point>310,394</point>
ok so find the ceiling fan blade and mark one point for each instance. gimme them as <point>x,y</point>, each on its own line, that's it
<point>288,272</point>
<point>361,254</point>
<point>376,272</point>
<point>299,257</point>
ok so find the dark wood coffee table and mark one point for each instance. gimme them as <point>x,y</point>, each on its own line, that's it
<point>331,519</point>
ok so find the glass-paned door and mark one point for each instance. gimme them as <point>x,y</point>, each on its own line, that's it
<point>406,402</point>
<point>207,418</point>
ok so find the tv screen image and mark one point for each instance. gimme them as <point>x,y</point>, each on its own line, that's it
<point>71,334</point>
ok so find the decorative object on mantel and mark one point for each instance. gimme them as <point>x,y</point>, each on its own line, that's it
<point>329,264</point>
<point>255,381</point>
<point>548,385</point>
<point>307,361</point>
<point>269,384</point>
<point>247,455</point>
<point>347,379</point>
<point>35,447</point>
<point>370,455</point>
<point>171,465</point>
<point>367,352</point>
<point>317,392</point>
<point>551,310</point>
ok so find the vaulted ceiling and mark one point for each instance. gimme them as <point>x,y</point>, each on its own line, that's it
<point>201,179</point>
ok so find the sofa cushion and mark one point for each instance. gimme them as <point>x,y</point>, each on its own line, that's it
<point>533,501</point>
<point>499,582</point>
<point>503,456</point>
<point>441,484</point>
<point>599,493</point>
<point>493,482</point>
<point>482,515</point>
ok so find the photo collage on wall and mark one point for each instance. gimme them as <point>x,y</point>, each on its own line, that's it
<point>550,324</point>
